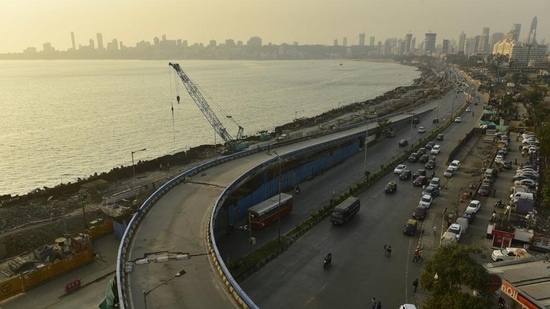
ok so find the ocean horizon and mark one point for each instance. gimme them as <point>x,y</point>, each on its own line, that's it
<point>69,119</point>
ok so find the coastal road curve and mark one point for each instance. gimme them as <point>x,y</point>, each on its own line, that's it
<point>177,224</point>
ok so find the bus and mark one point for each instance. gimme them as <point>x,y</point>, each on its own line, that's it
<point>266,212</point>
<point>344,211</point>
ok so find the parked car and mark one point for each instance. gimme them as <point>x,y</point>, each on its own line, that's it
<point>430,165</point>
<point>419,172</point>
<point>435,182</point>
<point>529,183</point>
<point>429,145</point>
<point>474,206</point>
<point>399,169</point>
<point>449,172</point>
<point>403,143</point>
<point>484,189</point>
<point>421,151</point>
<point>420,181</point>
<point>426,201</point>
<point>470,215</point>
<point>455,165</point>
<point>436,149</point>
<point>420,212</point>
<point>509,254</point>
<point>391,187</point>
<point>405,175</point>
<point>456,229</point>
<point>432,191</point>
<point>410,227</point>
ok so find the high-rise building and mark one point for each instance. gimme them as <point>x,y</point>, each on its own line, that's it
<point>408,42</point>
<point>516,29</point>
<point>483,46</point>
<point>429,43</point>
<point>371,41</point>
<point>531,39</point>
<point>345,41</point>
<point>99,41</point>
<point>361,39</point>
<point>495,38</point>
<point>461,43</point>
<point>72,40</point>
<point>335,42</point>
<point>445,47</point>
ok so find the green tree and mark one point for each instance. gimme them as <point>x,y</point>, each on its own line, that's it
<point>452,275</point>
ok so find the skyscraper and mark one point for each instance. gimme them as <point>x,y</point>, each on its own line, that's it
<point>484,41</point>
<point>408,42</point>
<point>99,41</point>
<point>361,39</point>
<point>72,40</point>
<point>532,31</point>
<point>461,43</point>
<point>429,45</point>
<point>516,29</point>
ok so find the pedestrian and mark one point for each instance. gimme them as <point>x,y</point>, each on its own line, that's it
<point>415,285</point>
<point>387,250</point>
<point>379,306</point>
<point>373,303</point>
<point>435,230</point>
<point>416,254</point>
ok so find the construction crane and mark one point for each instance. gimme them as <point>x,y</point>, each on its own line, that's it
<point>232,144</point>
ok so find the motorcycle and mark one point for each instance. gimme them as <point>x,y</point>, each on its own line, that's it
<point>297,190</point>
<point>327,261</point>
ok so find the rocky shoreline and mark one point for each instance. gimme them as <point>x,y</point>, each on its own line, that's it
<point>38,217</point>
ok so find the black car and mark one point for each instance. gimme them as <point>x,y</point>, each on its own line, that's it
<point>424,158</point>
<point>421,151</point>
<point>403,143</point>
<point>405,175</point>
<point>439,137</point>
<point>413,157</point>
<point>420,181</point>
<point>429,145</point>
<point>419,172</point>
<point>470,215</point>
<point>484,190</point>
<point>391,187</point>
<point>430,165</point>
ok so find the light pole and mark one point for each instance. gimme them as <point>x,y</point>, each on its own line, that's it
<point>280,160</point>
<point>133,164</point>
<point>145,293</point>
<point>366,145</point>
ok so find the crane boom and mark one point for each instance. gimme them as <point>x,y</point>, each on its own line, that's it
<point>230,142</point>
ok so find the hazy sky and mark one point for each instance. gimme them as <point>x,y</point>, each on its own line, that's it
<point>30,23</point>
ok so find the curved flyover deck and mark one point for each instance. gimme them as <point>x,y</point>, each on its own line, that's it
<point>171,233</point>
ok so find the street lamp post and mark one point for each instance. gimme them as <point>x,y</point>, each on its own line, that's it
<point>133,164</point>
<point>366,145</point>
<point>145,293</point>
<point>280,160</point>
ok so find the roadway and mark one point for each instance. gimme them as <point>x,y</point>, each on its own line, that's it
<point>360,270</point>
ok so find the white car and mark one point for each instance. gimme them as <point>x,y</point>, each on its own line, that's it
<point>435,149</point>
<point>421,129</point>
<point>455,165</point>
<point>468,110</point>
<point>399,169</point>
<point>458,119</point>
<point>474,206</point>
<point>456,229</point>
<point>509,254</point>
<point>426,201</point>
<point>526,182</point>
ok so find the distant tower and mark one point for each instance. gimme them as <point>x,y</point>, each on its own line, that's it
<point>532,31</point>
<point>484,41</point>
<point>99,41</point>
<point>72,40</point>
<point>361,39</point>
<point>371,41</point>
<point>429,43</point>
<point>408,43</point>
<point>335,42</point>
<point>345,41</point>
<point>445,48</point>
<point>516,29</point>
<point>461,42</point>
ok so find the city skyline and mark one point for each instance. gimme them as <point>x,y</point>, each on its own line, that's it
<point>307,22</point>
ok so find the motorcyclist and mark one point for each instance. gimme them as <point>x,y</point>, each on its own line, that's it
<point>297,189</point>
<point>328,259</point>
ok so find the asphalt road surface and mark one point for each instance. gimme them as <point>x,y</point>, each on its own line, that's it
<point>360,270</point>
